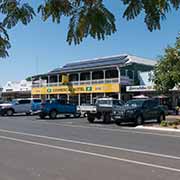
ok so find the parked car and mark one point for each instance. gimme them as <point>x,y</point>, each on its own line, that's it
<point>35,106</point>
<point>138,111</point>
<point>52,108</point>
<point>103,109</point>
<point>27,106</point>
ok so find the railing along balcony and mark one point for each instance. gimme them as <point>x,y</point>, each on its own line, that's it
<point>124,80</point>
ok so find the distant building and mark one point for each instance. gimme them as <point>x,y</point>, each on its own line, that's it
<point>17,89</point>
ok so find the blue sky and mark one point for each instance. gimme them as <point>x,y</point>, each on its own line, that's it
<point>41,46</point>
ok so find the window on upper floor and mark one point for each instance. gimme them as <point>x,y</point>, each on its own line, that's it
<point>130,74</point>
<point>111,74</point>
<point>85,76</point>
<point>73,77</point>
<point>123,72</point>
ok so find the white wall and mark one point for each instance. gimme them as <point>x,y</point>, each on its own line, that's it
<point>17,86</point>
<point>145,77</point>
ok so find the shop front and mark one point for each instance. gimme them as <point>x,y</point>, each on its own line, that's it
<point>78,94</point>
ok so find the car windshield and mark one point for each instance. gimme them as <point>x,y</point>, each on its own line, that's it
<point>37,100</point>
<point>134,103</point>
<point>14,101</point>
<point>104,102</point>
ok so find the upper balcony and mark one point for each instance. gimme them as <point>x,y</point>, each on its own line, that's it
<point>124,81</point>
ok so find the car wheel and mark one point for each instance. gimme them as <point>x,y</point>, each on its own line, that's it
<point>139,120</point>
<point>10,112</point>
<point>107,118</point>
<point>28,114</point>
<point>85,114</point>
<point>42,116</point>
<point>53,114</point>
<point>118,123</point>
<point>161,118</point>
<point>77,115</point>
<point>90,118</point>
<point>67,115</point>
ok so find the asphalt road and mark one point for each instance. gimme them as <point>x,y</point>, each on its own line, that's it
<point>73,149</point>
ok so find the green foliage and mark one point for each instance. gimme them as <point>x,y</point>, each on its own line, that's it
<point>173,124</point>
<point>86,17</point>
<point>164,123</point>
<point>28,79</point>
<point>4,42</point>
<point>167,71</point>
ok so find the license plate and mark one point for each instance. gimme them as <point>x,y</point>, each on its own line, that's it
<point>118,117</point>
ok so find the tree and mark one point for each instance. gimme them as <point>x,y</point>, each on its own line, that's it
<point>167,71</point>
<point>86,17</point>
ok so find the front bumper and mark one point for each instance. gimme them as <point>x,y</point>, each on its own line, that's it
<point>123,118</point>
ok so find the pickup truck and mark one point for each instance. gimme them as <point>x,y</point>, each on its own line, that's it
<point>85,108</point>
<point>103,109</point>
<point>138,111</point>
<point>52,108</point>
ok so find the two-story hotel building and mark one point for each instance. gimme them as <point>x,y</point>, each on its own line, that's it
<point>89,79</point>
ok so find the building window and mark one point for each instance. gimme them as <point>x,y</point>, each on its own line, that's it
<point>123,72</point>
<point>85,76</point>
<point>73,77</point>
<point>111,74</point>
<point>130,74</point>
<point>97,75</point>
<point>53,79</point>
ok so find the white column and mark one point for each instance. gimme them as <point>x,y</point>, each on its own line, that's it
<point>90,77</point>
<point>79,99</point>
<point>58,79</point>
<point>133,74</point>
<point>126,71</point>
<point>48,79</point>
<point>91,99</point>
<point>119,81</point>
<point>39,81</point>
<point>104,74</point>
<point>67,98</point>
<point>79,78</point>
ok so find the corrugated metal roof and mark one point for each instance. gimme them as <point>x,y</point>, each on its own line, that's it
<point>140,60</point>
<point>93,63</point>
<point>123,59</point>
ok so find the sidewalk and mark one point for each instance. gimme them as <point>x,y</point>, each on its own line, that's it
<point>172,117</point>
<point>155,126</point>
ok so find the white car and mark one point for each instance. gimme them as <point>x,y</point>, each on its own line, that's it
<point>18,106</point>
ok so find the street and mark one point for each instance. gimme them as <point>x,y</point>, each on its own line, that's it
<point>73,149</point>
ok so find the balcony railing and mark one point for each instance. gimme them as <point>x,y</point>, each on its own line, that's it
<point>124,81</point>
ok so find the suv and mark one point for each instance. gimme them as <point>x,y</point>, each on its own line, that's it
<point>27,106</point>
<point>103,109</point>
<point>138,111</point>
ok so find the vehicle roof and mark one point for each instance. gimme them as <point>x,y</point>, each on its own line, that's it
<point>142,99</point>
<point>107,98</point>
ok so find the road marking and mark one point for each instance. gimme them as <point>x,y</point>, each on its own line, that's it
<point>115,130</point>
<point>91,154</point>
<point>92,144</point>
